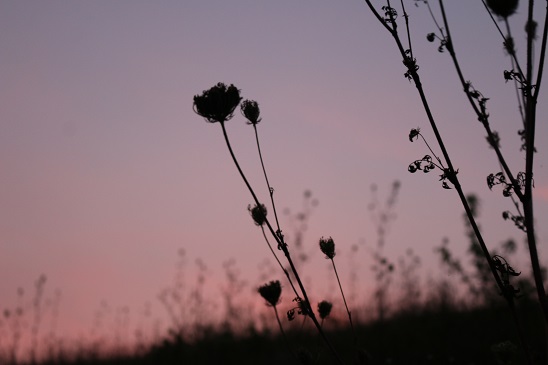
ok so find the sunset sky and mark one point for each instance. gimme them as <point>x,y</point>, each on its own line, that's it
<point>107,172</point>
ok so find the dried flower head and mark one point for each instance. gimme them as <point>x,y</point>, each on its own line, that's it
<point>218,103</point>
<point>258,213</point>
<point>328,247</point>
<point>503,8</point>
<point>250,110</point>
<point>271,292</point>
<point>324,309</point>
<point>415,132</point>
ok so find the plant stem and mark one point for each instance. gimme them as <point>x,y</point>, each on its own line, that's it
<point>279,263</point>
<point>530,121</point>
<point>346,305</point>
<point>270,189</point>
<point>482,116</point>
<point>283,246</point>
<point>283,333</point>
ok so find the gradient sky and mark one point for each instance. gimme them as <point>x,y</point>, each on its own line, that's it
<point>107,171</point>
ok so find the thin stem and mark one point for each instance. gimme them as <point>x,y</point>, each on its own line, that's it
<point>283,246</point>
<point>452,175</point>
<point>270,189</point>
<point>520,96</point>
<point>482,115</point>
<point>434,18</point>
<point>441,167</point>
<point>346,305</point>
<point>406,17</point>
<point>542,55</point>
<point>279,263</point>
<point>504,38</point>
<point>283,333</point>
<point>530,120</point>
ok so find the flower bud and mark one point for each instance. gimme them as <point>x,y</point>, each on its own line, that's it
<point>328,247</point>
<point>271,292</point>
<point>324,309</point>
<point>258,213</point>
<point>250,110</point>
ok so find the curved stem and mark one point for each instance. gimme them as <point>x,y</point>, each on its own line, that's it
<point>283,246</point>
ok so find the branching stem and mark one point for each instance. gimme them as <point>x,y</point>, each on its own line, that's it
<point>283,246</point>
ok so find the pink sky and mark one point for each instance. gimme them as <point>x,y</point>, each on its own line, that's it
<point>107,171</point>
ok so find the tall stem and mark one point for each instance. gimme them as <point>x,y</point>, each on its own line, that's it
<point>346,305</point>
<point>283,246</point>
<point>283,332</point>
<point>270,189</point>
<point>279,263</point>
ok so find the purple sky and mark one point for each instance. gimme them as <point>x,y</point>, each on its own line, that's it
<point>107,171</point>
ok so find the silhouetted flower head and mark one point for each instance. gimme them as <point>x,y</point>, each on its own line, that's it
<point>503,8</point>
<point>271,292</point>
<point>324,309</point>
<point>258,213</point>
<point>218,103</point>
<point>250,110</point>
<point>415,132</point>
<point>328,247</point>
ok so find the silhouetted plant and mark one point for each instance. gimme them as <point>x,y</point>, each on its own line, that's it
<point>327,246</point>
<point>217,105</point>
<point>527,83</point>
<point>324,309</point>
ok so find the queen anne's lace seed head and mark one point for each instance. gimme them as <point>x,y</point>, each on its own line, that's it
<point>218,103</point>
<point>503,8</point>
<point>271,292</point>
<point>250,110</point>
<point>258,213</point>
<point>327,245</point>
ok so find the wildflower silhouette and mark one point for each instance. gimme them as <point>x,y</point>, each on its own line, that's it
<point>527,83</point>
<point>217,105</point>
<point>271,293</point>
<point>324,309</point>
<point>258,213</point>
<point>327,246</point>
<point>250,110</point>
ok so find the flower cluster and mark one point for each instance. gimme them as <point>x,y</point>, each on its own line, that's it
<point>258,213</point>
<point>271,292</point>
<point>324,309</point>
<point>250,110</point>
<point>503,8</point>
<point>327,245</point>
<point>218,103</point>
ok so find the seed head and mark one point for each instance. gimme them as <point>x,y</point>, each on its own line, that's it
<point>328,247</point>
<point>271,292</point>
<point>218,103</point>
<point>324,309</point>
<point>258,213</point>
<point>250,110</point>
<point>503,8</point>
